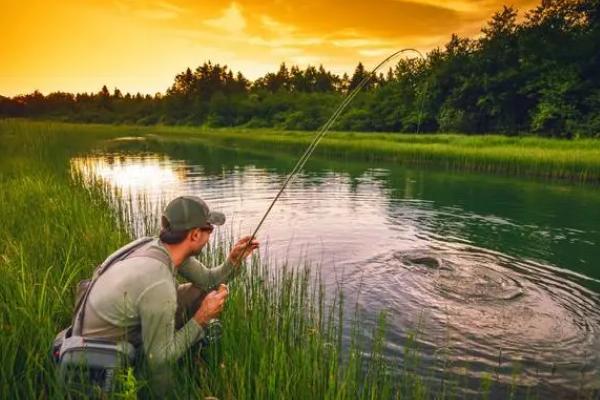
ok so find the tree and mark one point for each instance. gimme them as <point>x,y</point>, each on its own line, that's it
<point>359,75</point>
<point>325,81</point>
<point>104,98</point>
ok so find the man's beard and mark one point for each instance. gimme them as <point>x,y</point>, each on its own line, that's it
<point>197,252</point>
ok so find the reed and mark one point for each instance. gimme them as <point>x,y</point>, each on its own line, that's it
<point>523,156</point>
<point>576,160</point>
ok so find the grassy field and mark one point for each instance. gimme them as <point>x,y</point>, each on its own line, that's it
<point>529,156</point>
<point>281,339</point>
<point>524,156</point>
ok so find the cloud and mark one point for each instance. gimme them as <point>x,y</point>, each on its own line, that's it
<point>275,26</point>
<point>377,52</point>
<point>149,9</point>
<point>357,42</point>
<point>156,14</point>
<point>232,20</point>
<point>461,6</point>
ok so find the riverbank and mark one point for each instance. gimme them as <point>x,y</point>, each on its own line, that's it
<point>575,160</point>
<point>526,156</point>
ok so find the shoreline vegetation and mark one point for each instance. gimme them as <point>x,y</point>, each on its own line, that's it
<point>281,339</point>
<point>573,160</point>
<point>523,156</point>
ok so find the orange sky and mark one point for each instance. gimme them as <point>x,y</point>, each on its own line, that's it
<point>139,45</point>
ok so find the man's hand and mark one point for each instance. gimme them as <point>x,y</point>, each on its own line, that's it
<point>244,245</point>
<point>212,305</point>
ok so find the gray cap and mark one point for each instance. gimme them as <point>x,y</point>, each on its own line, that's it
<point>187,212</point>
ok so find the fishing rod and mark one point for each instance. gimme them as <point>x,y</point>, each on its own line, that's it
<point>325,128</point>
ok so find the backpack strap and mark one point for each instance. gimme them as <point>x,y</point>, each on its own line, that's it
<point>152,252</point>
<point>121,254</point>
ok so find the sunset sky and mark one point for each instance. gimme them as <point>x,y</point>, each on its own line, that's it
<point>140,45</point>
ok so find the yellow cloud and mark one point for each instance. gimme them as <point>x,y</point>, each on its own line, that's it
<point>232,20</point>
<point>359,42</point>
<point>275,26</point>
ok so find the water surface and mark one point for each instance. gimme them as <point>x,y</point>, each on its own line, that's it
<point>497,275</point>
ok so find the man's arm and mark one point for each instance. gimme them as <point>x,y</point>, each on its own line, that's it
<point>162,344</point>
<point>209,278</point>
<point>206,278</point>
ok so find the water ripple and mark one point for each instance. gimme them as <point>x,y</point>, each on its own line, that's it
<point>490,306</point>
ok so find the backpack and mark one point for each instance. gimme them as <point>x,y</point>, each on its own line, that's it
<point>82,360</point>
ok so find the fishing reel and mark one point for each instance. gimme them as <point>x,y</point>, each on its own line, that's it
<point>213,331</point>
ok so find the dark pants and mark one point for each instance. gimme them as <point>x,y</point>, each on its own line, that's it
<point>189,298</point>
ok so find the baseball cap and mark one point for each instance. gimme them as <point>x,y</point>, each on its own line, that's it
<point>187,212</point>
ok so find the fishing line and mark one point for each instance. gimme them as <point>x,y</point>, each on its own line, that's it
<point>326,127</point>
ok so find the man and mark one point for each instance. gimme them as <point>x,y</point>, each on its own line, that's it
<point>138,299</point>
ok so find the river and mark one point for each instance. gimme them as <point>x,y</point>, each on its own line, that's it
<point>492,273</point>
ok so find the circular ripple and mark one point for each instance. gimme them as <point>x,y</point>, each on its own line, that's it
<point>480,284</point>
<point>492,306</point>
<point>462,278</point>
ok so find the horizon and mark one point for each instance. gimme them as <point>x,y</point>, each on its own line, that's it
<point>86,46</point>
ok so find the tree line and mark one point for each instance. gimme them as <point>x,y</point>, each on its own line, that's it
<point>539,75</point>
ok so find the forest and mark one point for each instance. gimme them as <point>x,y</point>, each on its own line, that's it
<point>536,73</point>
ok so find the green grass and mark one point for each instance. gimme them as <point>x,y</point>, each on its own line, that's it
<point>524,156</point>
<point>281,339</point>
<point>53,232</point>
<point>527,156</point>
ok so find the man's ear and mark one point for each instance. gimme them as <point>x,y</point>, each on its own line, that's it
<point>193,234</point>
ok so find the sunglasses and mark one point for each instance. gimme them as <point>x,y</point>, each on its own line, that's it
<point>208,228</point>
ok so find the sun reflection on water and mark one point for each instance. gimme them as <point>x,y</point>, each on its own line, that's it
<point>132,174</point>
<point>139,186</point>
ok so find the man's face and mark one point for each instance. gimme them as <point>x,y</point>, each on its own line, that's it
<point>197,240</point>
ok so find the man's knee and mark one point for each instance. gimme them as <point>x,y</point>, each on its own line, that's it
<point>189,298</point>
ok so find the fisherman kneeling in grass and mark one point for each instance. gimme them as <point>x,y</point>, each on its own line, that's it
<point>138,301</point>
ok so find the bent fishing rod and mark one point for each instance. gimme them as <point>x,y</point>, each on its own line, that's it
<point>323,131</point>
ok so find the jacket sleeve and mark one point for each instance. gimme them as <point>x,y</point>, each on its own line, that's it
<point>161,343</point>
<point>203,277</point>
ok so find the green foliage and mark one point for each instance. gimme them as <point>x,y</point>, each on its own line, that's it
<point>129,385</point>
<point>355,120</point>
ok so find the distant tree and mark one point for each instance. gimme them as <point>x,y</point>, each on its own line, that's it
<point>274,82</point>
<point>359,74</point>
<point>104,92</point>
<point>344,83</point>
<point>183,84</point>
<point>297,80</point>
<point>325,81</point>
<point>389,75</point>
<point>310,78</point>
<point>104,98</point>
